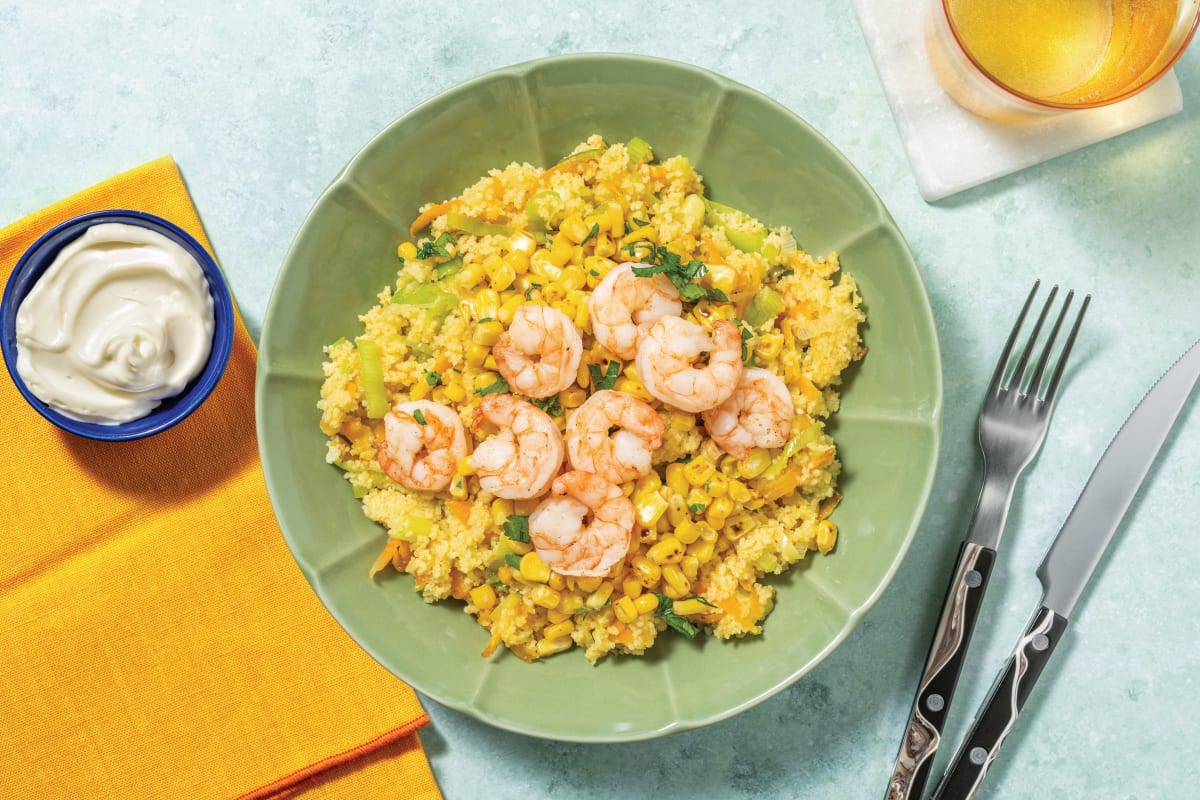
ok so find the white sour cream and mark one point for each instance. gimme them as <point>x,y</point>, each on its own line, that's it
<point>120,321</point>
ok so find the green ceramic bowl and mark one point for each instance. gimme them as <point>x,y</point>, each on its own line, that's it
<point>755,155</point>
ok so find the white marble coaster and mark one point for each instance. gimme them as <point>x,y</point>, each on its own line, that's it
<point>950,148</point>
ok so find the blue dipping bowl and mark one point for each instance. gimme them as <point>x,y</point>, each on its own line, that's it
<point>38,258</point>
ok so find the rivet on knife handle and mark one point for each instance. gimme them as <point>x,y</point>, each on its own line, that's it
<point>981,746</point>
<point>942,668</point>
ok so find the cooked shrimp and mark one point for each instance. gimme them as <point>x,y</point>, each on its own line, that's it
<point>623,306</point>
<point>613,434</point>
<point>667,363</point>
<point>585,528</point>
<point>539,353</point>
<point>423,442</point>
<point>525,454</point>
<point>758,414</point>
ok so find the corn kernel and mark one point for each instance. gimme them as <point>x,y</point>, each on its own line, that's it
<point>698,470</point>
<point>407,251</point>
<point>544,596</point>
<point>646,571</point>
<point>476,354</point>
<point>556,616</point>
<point>483,597</point>
<point>635,388</point>
<point>472,275</point>
<point>549,647</point>
<point>600,597</point>
<point>488,333</point>
<point>501,510</point>
<point>560,253</point>
<point>603,245</point>
<point>505,573</point>
<point>768,347</point>
<point>561,628</point>
<point>697,498</point>
<point>679,421</point>
<point>676,481</point>
<point>573,278</point>
<point>702,550</point>
<point>689,606</point>
<point>543,265</point>
<point>668,550</point>
<point>722,277</point>
<point>647,233</point>
<point>523,242</point>
<point>466,466</point>
<point>570,603</point>
<point>632,587</point>
<point>650,507</point>
<point>645,603</point>
<point>557,581</point>
<point>487,302</point>
<point>691,567</point>
<point>534,569</point>
<point>502,277</point>
<point>508,308</point>
<point>455,392</point>
<point>624,610</point>
<point>420,390</point>
<point>676,584</point>
<point>616,220</point>
<point>739,492</point>
<point>718,511</point>
<point>687,532</point>
<point>589,583</point>
<point>574,229</point>
<point>677,510</point>
<point>717,485</point>
<point>518,261</point>
<point>827,533</point>
<point>573,397</point>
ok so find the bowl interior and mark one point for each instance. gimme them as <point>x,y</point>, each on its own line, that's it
<point>39,257</point>
<point>755,155</point>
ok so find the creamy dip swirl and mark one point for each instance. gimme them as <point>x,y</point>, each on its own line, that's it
<point>120,321</point>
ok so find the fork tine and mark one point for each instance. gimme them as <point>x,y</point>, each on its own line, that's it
<point>1036,380</point>
<point>1052,389</point>
<point>1002,362</point>
<point>1019,371</point>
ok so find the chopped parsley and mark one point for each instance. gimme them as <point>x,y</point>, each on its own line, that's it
<point>591,234</point>
<point>551,405</point>
<point>697,508</point>
<point>513,560</point>
<point>498,386</point>
<point>529,291</point>
<point>606,379</point>
<point>641,223</point>
<point>433,378</point>
<point>517,528</point>
<point>666,610</point>
<point>583,611</point>
<point>418,416</point>
<point>436,247</point>
<point>486,319</point>
<point>662,261</point>
<point>747,334</point>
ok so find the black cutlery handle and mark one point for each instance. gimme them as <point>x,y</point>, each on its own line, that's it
<point>923,733</point>
<point>999,712</point>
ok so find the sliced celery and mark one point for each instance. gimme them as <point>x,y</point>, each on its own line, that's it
<point>531,212</point>
<point>599,151</point>
<point>764,307</point>
<point>799,440</point>
<point>414,528</point>
<point>477,227</point>
<point>717,214</point>
<point>425,295</point>
<point>374,394</point>
<point>639,151</point>
<point>451,267</point>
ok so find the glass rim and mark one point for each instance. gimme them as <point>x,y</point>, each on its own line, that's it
<point>1049,104</point>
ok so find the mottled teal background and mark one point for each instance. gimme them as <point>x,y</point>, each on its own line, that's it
<point>262,103</point>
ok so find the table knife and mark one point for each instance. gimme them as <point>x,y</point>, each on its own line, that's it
<point>1069,563</point>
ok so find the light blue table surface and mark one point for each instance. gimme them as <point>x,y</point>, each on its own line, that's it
<point>262,103</point>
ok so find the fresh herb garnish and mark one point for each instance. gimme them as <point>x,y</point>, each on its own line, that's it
<point>498,386</point>
<point>532,286</point>
<point>666,610</point>
<point>594,273</point>
<point>517,528</point>
<point>591,234</point>
<point>641,223</point>
<point>551,405</point>
<point>606,379</point>
<point>433,378</point>
<point>418,416</point>
<point>436,247</point>
<point>697,508</point>
<point>664,262</point>
<point>747,334</point>
<point>513,560</point>
<point>583,611</point>
<point>486,319</point>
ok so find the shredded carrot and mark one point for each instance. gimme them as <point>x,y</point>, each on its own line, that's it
<point>710,248</point>
<point>442,364</point>
<point>658,172</point>
<point>403,554</point>
<point>461,509</point>
<point>492,644</point>
<point>385,557</point>
<point>624,635</point>
<point>427,216</point>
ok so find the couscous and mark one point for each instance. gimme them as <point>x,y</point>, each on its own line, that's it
<point>592,405</point>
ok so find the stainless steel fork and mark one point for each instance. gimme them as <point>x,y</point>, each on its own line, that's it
<point>1012,426</point>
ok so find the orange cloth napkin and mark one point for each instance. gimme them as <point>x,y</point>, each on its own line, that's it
<point>156,638</point>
